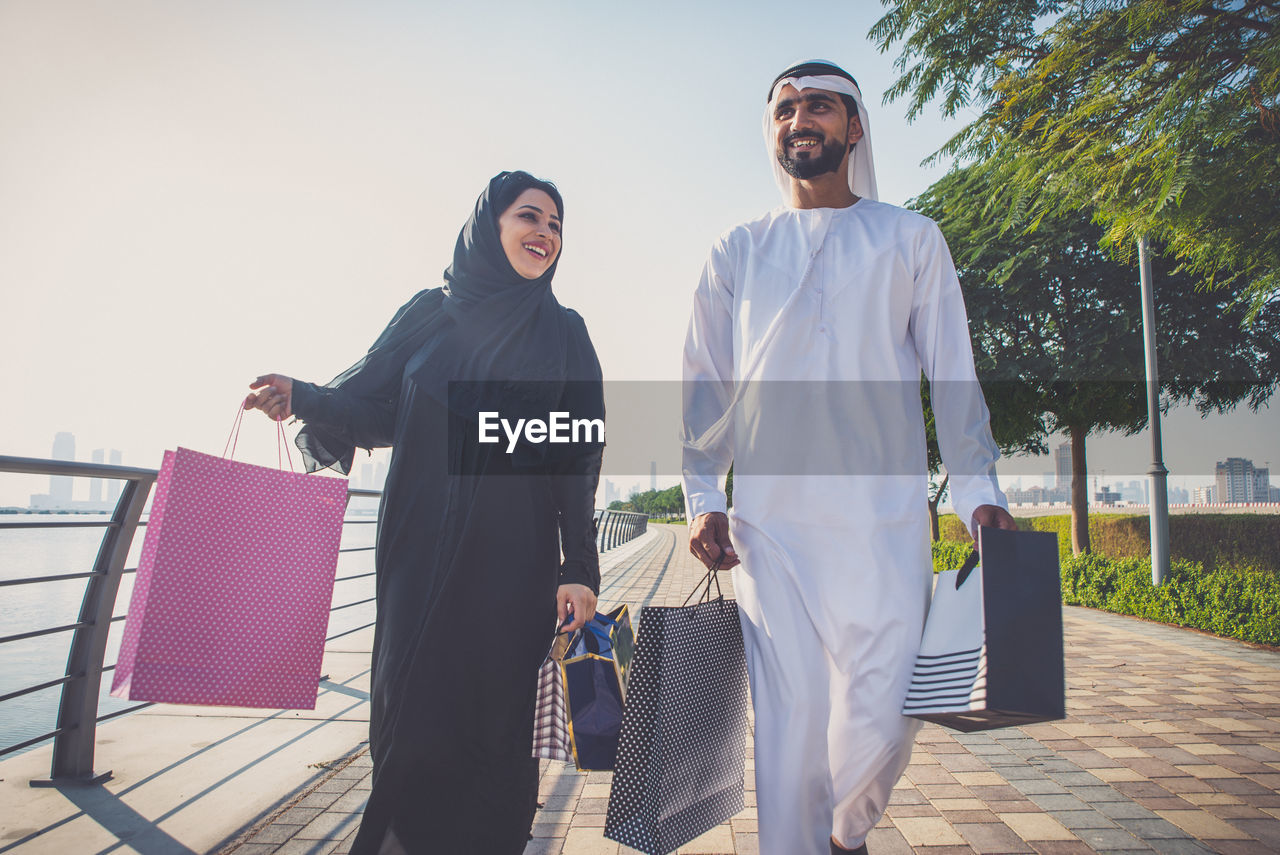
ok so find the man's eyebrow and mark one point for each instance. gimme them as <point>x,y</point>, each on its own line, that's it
<point>539,210</point>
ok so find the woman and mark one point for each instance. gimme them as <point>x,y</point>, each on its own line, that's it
<point>470,584</point>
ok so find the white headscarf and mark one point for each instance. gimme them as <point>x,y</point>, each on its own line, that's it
<point>862,170</point>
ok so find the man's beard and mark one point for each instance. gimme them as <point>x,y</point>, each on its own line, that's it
<point>811,167</point>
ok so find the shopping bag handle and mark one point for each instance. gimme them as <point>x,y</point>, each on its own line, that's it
<point>593,637</point>
<point>704,584</point>
<point>966,568</point>
<point>282,441</point>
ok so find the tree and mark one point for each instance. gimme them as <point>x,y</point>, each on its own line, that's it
<point>1159,117</point>
<point>1055,322</point>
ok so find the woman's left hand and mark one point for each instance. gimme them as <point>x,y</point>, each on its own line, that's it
<point>577,600</point>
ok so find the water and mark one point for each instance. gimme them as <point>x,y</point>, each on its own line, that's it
<point>50,552</point>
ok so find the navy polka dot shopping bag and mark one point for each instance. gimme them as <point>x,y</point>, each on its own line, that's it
<point>680,765</point>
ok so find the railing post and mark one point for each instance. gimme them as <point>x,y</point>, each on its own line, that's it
<point>613,530</point>
<point>78,711</point>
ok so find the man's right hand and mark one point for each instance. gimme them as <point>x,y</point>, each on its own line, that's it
<point>709,540</point>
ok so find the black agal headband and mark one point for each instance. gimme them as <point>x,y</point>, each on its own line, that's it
<point>810,69</point>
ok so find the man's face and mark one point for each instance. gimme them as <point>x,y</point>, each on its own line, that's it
<point>813,131</point>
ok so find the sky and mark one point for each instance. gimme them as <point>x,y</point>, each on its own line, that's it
<point>195,193</point>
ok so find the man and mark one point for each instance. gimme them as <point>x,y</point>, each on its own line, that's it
<point>810,328</point>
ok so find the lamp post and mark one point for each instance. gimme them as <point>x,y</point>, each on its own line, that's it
<point>1159,474</point>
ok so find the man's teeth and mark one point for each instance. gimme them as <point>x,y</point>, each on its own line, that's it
<point>804,143</point>
<point>539,250</point>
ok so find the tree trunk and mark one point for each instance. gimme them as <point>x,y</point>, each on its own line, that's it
<point>1079,492</point>
<point>934,530</point>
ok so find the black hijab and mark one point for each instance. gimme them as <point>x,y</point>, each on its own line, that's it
<point>488,340</point>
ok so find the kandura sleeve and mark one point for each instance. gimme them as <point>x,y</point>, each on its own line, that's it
<point>940,331</point>
<point>573,488</point>
<point>708,387</point>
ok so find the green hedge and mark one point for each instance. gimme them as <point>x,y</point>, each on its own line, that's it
<point>1213,540</point>
<point>1228,601</point>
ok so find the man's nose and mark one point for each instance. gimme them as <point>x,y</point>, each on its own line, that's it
<point>801,120</point>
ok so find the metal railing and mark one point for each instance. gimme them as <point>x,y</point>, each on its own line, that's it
<point>74,735</point>
<point>614,528</point>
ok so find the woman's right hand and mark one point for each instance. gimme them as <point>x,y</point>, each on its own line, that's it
<point>275,396</point>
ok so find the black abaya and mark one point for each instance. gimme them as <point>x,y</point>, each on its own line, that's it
<point>469,545</point>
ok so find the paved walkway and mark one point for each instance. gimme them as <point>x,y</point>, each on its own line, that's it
<point>1172,746</point>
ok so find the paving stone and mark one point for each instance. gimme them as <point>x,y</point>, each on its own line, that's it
<point>888,841</point>
<point>329,826</point>
<point>1077,819</point>
<point>928,831</point>
<point>992,837</point>
<point>1109,839</point>
<point>1039,787</point>
<point>544,846</point>
<point>1056,803</point>
<point>298,816</point>
<point>275,834</point>
<point>307,847</point>
<point>1124,810</point>
<point>318,800</point>
<point>1096,794</point>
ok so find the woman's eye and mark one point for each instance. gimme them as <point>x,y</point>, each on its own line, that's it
<point>527,215</point>
<point>555,227</point>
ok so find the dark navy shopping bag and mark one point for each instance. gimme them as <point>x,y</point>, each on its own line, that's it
<point>594,663</point>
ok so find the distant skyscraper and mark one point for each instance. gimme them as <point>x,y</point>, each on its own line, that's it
<point>1062,463</point>
<point>1236,480</point>
<point>95,484</point>
<point>64,448</point>
<point>1261,484</point>
<point>113,486</point>
<point>1048,481</point>
<point>1204,495</point>
<point>379,476</point>
<point>653,475</point>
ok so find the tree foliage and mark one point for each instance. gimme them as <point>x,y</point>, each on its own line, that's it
<point>655,503</point>
<point>1160,117</point>
<point>1056,329</point>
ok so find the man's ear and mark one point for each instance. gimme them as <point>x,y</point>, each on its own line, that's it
<point>855,130</point>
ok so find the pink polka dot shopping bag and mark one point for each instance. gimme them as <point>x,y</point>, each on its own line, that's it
<point>231,600</point>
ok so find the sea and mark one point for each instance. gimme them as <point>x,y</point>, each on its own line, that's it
<point>54,551</point>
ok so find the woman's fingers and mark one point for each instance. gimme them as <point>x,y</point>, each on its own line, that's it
<point>576,602</point>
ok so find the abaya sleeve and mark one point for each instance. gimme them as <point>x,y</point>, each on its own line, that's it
<point>357,409</point>
<point>574,479</point>
<point>348,419</point>
<point>574,492</point>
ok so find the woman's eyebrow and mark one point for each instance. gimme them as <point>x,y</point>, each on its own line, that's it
<point>539,210</point>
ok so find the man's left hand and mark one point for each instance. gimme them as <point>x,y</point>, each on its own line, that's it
<point>992,516</point>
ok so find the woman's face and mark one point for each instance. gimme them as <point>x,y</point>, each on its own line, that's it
<point>530,233</point>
